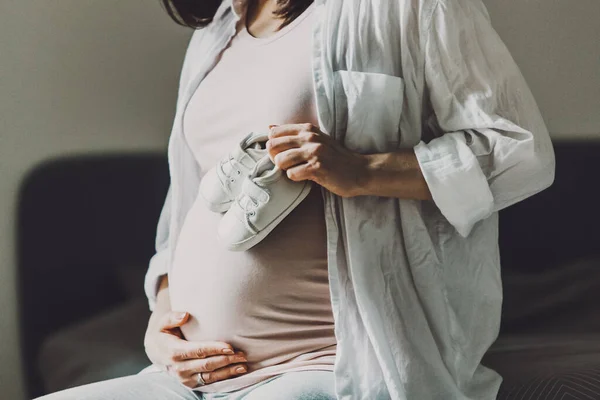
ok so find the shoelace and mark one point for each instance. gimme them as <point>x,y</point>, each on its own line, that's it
<point>232,163</point>
<point>248,205</point>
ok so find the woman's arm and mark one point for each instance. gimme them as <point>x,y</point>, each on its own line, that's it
<point>165,346</point>
<point>306,153</point>
<point>491,150</point>
<point>162,307</point>
<point>395,174</point>
<point>492,147</point>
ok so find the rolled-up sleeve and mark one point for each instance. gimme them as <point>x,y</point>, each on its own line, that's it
<point>159,263</point>
<point>492,148</point>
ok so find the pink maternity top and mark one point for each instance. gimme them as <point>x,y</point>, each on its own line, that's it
<point>272,302</point>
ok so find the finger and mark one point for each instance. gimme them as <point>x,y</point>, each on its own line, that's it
<point>174,320</point>
<point>193,350</point>
<point>289,130</point>
<point>224,373</point>
<point>291,158</point>
<point>281,144</point>
<point>187,368</point>
<point>216,376</point>
<point>300,173</point>
<point>160,345</point>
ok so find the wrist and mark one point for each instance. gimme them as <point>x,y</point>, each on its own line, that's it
<point>367,175</point>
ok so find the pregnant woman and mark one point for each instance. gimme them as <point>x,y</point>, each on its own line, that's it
<point>415,127</point>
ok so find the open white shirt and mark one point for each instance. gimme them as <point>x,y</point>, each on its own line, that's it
<point>415,285</point>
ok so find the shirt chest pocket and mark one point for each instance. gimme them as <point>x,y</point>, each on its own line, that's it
<point>368,107</point>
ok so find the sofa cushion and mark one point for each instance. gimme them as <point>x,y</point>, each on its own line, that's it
<point>563,300</point>
<point>547,366</point>
<point>103,347</point>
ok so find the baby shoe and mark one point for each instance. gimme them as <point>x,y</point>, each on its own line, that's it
<point>266,198</point>
<point>222,183</point>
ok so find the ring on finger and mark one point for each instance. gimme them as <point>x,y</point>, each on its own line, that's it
<point>199,379</point>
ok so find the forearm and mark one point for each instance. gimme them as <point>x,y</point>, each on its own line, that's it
<point>307,154</point>
<point>396,174</point>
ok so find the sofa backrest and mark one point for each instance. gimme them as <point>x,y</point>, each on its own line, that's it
<point>561,223</point>
<point>82,220</point>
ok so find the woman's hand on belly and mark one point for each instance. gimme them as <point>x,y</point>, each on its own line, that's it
<point>166,347</point>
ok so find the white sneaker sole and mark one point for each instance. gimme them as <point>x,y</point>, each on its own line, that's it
<point>256,239</point>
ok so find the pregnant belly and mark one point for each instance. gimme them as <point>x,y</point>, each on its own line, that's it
<point>271,302</point>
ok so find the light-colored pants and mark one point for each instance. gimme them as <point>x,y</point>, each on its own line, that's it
<point>304,385</point>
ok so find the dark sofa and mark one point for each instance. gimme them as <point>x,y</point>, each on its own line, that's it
<point>85,233</point>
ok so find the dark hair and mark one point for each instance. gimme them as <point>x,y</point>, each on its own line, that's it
<point>199,13</point>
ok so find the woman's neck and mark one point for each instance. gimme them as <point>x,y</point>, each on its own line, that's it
<point>260,20</point>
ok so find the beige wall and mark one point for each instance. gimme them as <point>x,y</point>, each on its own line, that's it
<point>99,75</point>
<point>76,76</point>
<point>557,45</point>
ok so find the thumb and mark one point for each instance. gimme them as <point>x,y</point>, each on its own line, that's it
<point>272,126</point>
<point>174,320</point>
<point>271,130</point>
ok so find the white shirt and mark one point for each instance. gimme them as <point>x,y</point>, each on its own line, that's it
<point>415,285</point>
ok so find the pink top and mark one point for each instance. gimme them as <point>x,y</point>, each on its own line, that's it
<point>272,302</point>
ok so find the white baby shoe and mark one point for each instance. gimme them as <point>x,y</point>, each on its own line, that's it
<point>221,184</point>
<point>266,198</point>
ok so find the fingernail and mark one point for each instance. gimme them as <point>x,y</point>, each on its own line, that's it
<point>227,351</point>
<point>181,315</point>
<point>240,370</point>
